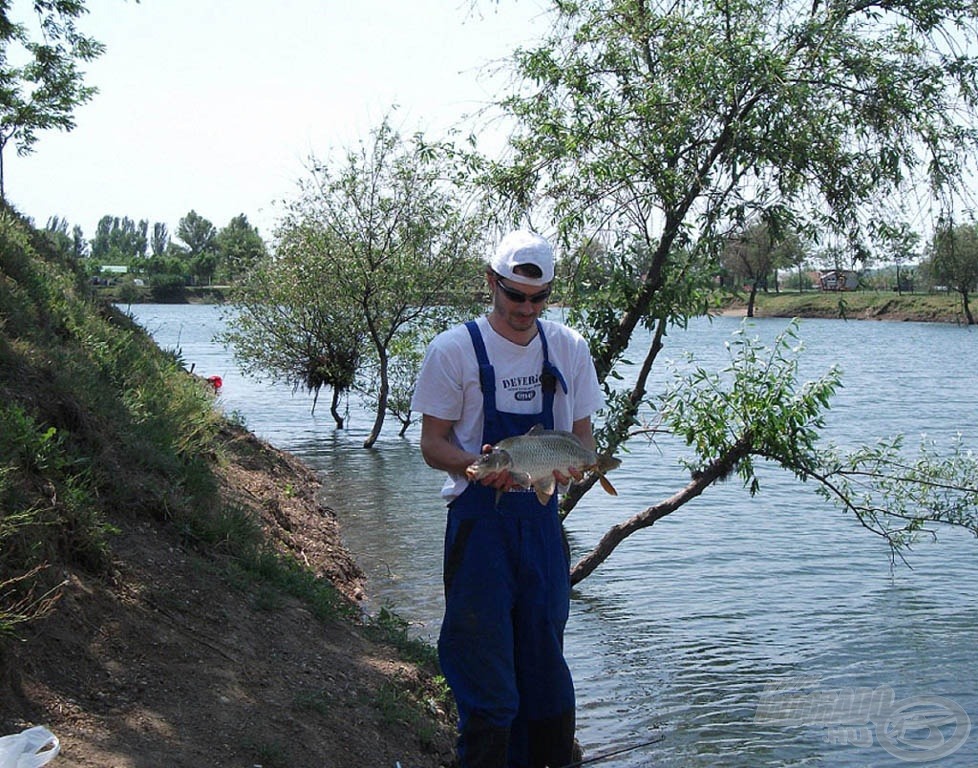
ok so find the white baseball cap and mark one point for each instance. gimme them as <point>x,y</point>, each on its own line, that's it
<point>523,247</point>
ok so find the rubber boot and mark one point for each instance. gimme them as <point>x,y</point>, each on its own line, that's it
<point>483,745</point>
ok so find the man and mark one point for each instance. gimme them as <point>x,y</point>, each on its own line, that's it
<point>507,588</point>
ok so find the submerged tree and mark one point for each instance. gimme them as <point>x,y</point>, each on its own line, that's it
<point>381,242</point>
<point>662,125</point>
<point>285,325</point>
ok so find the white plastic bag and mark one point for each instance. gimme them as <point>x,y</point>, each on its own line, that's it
<point>26,749</point>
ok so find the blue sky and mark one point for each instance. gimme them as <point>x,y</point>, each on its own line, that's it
<point>215,105</point>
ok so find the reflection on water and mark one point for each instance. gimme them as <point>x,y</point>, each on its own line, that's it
<point>690,622</point>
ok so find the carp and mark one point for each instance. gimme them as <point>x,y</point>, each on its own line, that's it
<point>532,458</point>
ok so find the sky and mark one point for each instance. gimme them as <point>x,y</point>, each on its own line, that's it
<point>217,105</point>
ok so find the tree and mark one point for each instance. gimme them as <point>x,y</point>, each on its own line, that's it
<point>239,247</point>
<point>287,323</point>
<point>954,261</point>
<point>900,244</point>
<point>383,245</point>
<point>757,410</point>
<point>756,253</point>
<point>667,123</point>
<point>200,238</point>
<point>43,92</point>
<point>160,239</point>
<point>119,241</point>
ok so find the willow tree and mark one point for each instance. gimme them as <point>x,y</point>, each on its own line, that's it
<point>281,324</point>
<point>657,127</point>
<point>381,242</point>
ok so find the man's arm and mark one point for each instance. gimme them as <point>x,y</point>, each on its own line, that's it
<point>439,449</point>
<point>441,452</point>
<point>582,428</point>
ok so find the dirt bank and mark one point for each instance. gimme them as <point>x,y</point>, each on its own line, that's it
<point>170,663</point>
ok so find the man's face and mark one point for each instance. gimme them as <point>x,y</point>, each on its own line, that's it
<point>517,304</point>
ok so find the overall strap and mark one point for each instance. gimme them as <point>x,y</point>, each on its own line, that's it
<point>549,377</point>
<point>487,376</point>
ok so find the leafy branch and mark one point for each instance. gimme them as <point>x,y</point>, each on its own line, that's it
<point>757,409</point>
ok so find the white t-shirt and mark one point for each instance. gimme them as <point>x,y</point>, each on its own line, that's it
<point>448,386</point>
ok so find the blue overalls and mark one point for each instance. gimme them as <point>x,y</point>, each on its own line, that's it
<point>507,597</point>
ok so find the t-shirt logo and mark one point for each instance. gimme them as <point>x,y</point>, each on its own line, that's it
<point>523,389</point>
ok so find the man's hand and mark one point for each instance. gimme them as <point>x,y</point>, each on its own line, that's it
<point>502,480</point>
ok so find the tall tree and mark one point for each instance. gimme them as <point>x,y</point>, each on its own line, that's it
<point>239,247</point>
<point>197,233</point>
<point>160,240</point>
<point>43,92</point>
<point>666,123</point>
<point>200,238</point>
<point>119,240</point>
<point>954,261</point>
<point>900,243</point>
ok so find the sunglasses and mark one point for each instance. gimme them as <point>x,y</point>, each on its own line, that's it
<point>518,297</point>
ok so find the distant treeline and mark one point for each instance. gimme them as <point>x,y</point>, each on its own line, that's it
<point>199,253</point>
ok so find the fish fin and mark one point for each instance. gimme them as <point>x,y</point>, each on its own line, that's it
<point>545,489</point>
<point>536,429</point>
<point>522,479</point>
<point>606,484</point>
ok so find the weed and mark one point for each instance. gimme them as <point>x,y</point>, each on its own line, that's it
<point>317,700</point>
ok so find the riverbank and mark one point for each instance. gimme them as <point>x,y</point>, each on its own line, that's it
<point>173,590</point>
<point>853,305</point>
<point>172,660</point>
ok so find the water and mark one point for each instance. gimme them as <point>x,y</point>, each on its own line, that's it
<point>688,629</point>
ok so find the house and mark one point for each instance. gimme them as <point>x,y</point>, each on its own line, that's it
<point>838,280</point>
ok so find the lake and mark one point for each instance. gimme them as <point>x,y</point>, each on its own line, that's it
<point>739,631</point>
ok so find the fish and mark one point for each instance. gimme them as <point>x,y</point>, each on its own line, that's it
<point>532,458</point>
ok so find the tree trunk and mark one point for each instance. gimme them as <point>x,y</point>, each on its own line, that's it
<point>625,422</point>
<point>334,408</point>
<point>967,308</point>
<point>618,533</point>
<point>751,299</point>
<point>382,396</point>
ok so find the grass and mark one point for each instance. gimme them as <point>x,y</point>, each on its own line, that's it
<point>96,421</point>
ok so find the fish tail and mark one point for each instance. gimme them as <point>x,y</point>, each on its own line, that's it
<point>606,484</point>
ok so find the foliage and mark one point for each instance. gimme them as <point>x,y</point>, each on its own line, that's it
<point>283,324</point>
<point>119,240</point>
<point>804,114</point>
<point>200,238</point>
<point>657,128</point>
<point>900,497</point>
<point>754,255</point>
<point>94,421</point>
<point>382,246</point>
<point>240,248</point>
<point>44,90</point>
